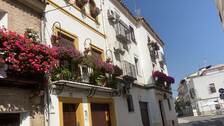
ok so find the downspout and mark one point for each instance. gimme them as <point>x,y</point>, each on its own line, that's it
<point>47,93</point>
<point>102,4</point>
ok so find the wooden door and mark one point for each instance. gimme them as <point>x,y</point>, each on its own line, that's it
<point>144,113</point>
<point>69,114</point>
<point>100,114</point>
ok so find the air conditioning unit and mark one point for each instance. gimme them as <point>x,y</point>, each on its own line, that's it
<point>113,16</point>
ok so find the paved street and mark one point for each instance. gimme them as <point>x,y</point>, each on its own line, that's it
<point>202,121</point>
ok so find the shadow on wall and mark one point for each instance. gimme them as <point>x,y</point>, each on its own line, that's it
<point>34,105</point>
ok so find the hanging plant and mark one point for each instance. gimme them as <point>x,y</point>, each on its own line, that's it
<point>94,11</point>
<point>25,56</point>
<point>81,3</point>
<point>61,73</point>
<point>154,46</point>
<point>32,35</point>
<point>70,1</point>
<point>117,71</point>
<point>55,40</point>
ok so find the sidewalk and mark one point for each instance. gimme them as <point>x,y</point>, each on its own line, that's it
<point>191,119</point>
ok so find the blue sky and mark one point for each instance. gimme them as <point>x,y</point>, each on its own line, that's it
<point>191,30</point>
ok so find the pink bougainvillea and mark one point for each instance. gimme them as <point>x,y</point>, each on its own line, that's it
<point>23,55</point>
<point>163,77</point>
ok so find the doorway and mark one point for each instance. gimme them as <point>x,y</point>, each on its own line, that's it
<point>9,119</point>
<point>161,112</point>
<point>144,113</point>
<point>100,114</point>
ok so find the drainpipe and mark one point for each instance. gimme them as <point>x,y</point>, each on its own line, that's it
<point>47,93</point>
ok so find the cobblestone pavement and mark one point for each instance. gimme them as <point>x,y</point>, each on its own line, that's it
<point>202,121</point>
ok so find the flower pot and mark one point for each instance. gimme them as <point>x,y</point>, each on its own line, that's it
<point>94,11</point>
<point>81,3</point>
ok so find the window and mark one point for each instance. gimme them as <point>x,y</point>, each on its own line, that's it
<point>212,88</point>
<point>132,32</point>
<point>192,93</point>
<point>67,40</point>
<point>3,19</point>
<point>137,66</point>
<point>144,113</point>
<point>122,32</point>
<point>97,53</point>
<point>130,103</point>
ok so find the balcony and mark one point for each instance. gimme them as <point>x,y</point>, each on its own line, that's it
<point>23,61</point>
<point>129,69</point>
<point>123,32</point>
<point>162,80</point>
<point>30,62</point>
<point>153,56</point>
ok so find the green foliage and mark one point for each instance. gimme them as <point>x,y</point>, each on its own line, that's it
<point>61,73</point>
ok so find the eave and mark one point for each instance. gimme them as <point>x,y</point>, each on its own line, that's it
<point>37,5</point>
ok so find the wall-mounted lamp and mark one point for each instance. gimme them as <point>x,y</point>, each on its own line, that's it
<point>87,43</point>
<point>56,24</point>
<point>109,54</point>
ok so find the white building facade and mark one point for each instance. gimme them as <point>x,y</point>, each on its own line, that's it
<point>220,6</point>
<point>142,95</point>
<point>202,90</point>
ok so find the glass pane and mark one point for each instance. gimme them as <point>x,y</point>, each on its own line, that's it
<point>66,41</point>
<point>96,54</point>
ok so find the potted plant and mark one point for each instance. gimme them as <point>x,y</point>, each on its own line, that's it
<point>153,46</point>
<point>117,71</point>
<point>94,11</point>
<point>81,3</point>
<point>32,35</point>
<point>23,55</point>
<point>61,73</point>
<point>54,40</point>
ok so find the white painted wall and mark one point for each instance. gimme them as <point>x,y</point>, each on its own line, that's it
<point>205,100</point>
<point>3,20</point>
<point>124,118</point>
<point>25,119</point>
<point>201,85</point>
<point>73,26</point>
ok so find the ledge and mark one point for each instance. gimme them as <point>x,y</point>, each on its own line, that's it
<point>84,86</point>
<point>13,82</point>
<point>152,86</point>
